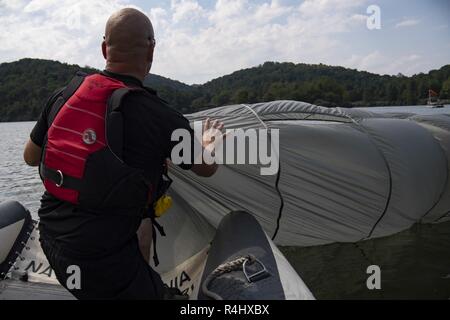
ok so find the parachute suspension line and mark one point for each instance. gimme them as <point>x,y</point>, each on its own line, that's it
<point>256,115</point>
<point>277,181</point>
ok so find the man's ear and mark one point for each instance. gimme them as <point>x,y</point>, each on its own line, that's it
<point>104,50</point>
<point>150,58</point>
<point>150,52</point>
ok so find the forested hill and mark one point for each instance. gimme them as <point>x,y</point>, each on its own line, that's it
<point>26,84</point>
<point>324,85</point>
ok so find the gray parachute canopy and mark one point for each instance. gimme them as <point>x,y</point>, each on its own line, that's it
<point>345,174</point>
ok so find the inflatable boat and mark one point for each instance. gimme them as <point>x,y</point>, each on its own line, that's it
<point>344,175</point>
<point>240,263</point>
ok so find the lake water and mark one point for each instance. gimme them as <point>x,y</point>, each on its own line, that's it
<point>414,263</point>
<point>17,180</point>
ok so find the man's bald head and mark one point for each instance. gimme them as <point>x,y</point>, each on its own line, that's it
<point>129,39</point>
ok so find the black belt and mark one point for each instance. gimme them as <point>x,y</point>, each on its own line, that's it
<point>60,179</point>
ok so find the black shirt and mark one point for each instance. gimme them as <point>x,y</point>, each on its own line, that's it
<point>148,126</point>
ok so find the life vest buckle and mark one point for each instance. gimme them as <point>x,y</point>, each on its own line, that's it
<point>61,180</point>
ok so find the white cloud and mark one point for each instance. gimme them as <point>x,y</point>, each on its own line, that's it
<point>407,23</point>
<point>235,34</point>
<point>194,43</point>
<point>226,9</point>
<point>320,7</point>
<point>65,30</point>
<point>380,63</point>
<point>12,4</point>
<point>197,43</point>
<point>159,18</point>
<point>185,10</point>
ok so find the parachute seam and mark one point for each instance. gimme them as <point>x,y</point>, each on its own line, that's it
<point>277,187</point>
<point>388,200</point>
<point>445,214</point>
<point>444,189</point>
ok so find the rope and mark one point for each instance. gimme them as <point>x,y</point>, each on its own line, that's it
<point>226,267</point>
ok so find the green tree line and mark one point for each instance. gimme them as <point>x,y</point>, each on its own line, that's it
<point>25,85</point>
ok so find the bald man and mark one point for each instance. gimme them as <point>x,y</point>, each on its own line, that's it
<point>97,208</point>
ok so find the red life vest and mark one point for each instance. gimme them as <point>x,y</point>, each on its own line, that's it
<point>82,156</point>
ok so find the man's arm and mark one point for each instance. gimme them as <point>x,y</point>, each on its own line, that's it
<point>33,148</point>
<point>32,154</point>
<point>145,234</point>
<point>177,121</point>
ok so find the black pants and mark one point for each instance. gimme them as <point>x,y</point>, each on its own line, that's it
<point>121,275</point>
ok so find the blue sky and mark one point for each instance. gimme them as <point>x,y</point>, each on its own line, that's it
<point>198,40</point>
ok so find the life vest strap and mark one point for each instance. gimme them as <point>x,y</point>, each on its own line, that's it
<point>114,123</point>
<point>65,95</point>
<point>60,179</point>
<point>115,101</point>
<point>156,226</point>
